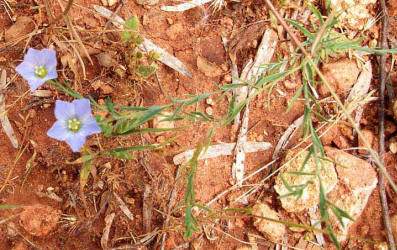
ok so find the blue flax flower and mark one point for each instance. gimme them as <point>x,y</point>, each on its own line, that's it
<point>74,123</point>
<point>38,66</point>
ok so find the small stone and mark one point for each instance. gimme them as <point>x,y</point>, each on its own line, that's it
<point>372,43</point>
<point>341,142</point>
<point>105,59</point>
<point>271,230</point>
<point>341,76</point>
<point>147,2</point>
<point>227,78</point>
<point>209,111</point>
<point>209,101</point>
<point>170,21</point>
<point>330,133</point>
<point>39,220</point>
<point>346,131</point>
<point>23,26</point>
<point>290,84</point>
<point>208,68</point>
<point>158,122</point>
<point>393,147</point>
<point>370,138</point>
<point>160,139</point>
<point>109,3</point>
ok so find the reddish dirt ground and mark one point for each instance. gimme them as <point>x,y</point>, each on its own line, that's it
<point>191,35</point>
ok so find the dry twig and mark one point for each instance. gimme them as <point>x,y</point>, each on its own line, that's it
<point>382,189</point>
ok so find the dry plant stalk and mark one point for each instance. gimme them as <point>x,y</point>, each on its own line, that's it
<point>382,175</point>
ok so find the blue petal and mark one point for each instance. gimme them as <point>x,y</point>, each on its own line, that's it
<point>59,131</point>
<point>64,110</point>
<point>51,74</point>
<point>83,109</point>
<point>90,127</point>
<point>25,69</point>
<point>49,55</point>
<point>35,82</point>
<point>76,141</point>
<point>33,56</point>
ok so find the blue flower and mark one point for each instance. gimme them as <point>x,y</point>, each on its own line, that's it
<point>74,123</point>
<point>38,67</point>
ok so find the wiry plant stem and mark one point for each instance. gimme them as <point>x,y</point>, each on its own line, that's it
<point>286,27</point>
<point>65,12</point>
<point>382,189</point>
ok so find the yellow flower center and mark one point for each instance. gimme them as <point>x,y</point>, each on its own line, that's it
<point>40,71</point>
<point>74,125</point>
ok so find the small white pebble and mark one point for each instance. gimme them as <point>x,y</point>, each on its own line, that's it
<point>209,111</point>
<point>209,101</point>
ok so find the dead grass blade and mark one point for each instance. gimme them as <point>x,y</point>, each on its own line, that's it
<point>286,137</point>
<point>124,207</point>
<point>5,122</point>
<point>105,236</point>
<point>147,208</point>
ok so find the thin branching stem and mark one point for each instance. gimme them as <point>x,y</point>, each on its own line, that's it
<point>321,31</point>
<point>286,27</point>
<point>382,189</point>
<point>64,13</point>
<point>333,94</point>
